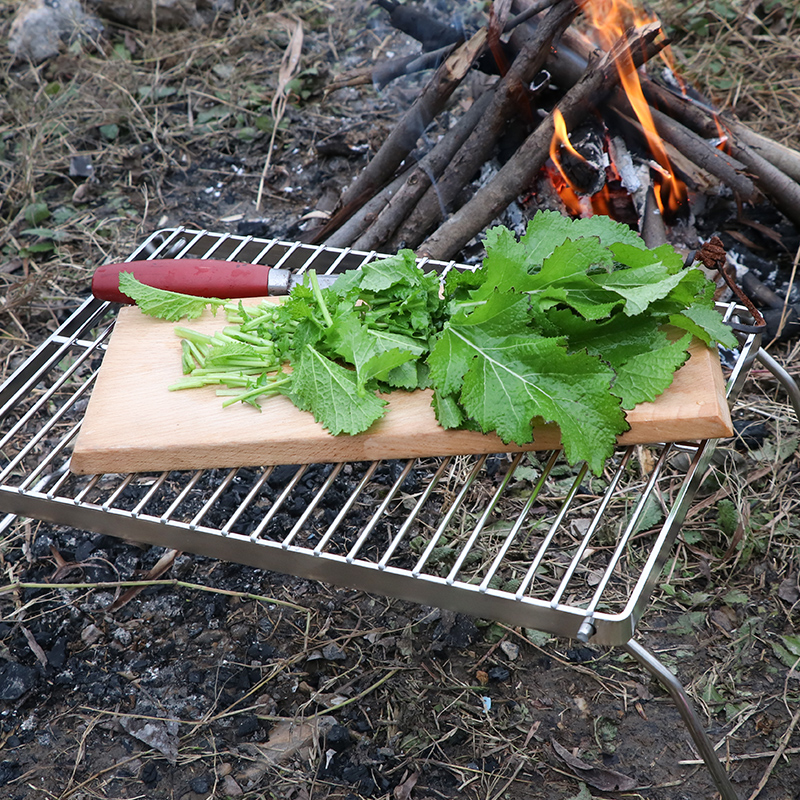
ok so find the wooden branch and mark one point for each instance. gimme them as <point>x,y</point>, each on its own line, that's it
<point>776,185</point>
<point>397,207</point>
<point>509,99</point>
<point>780,156</point>
<point>354,227</point>
<point>402,139</point>
<point>697,150</point>
<point>520,170</point>
<point>651,223</point>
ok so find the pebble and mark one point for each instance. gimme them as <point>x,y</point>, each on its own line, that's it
<point>200,785</point>
<point>40,27</point>
<point>241,632</point>
<point>230,788</point>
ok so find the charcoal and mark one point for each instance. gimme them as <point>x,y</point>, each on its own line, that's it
<point>16,680</point>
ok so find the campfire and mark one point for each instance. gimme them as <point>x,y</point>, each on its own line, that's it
<point>609,127</point>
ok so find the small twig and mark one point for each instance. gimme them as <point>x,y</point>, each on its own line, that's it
<point>695,762</point>
<point>20,585</point>
<point>356,697</point>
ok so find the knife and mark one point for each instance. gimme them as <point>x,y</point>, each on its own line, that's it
<point>201,277</point>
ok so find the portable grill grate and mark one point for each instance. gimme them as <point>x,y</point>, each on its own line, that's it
<point>523,539</point>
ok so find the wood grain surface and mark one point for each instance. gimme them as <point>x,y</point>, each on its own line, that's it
<point>133,424</point>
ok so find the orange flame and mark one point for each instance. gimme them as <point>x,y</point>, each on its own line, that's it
<point>567,191</point>
<point>610,19</point>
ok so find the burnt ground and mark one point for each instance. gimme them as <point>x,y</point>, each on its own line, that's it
<point>226,681</point>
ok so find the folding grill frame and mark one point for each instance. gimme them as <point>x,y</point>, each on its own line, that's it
<point>522,539</point>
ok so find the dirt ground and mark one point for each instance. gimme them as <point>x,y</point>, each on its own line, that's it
<point>227,681</point>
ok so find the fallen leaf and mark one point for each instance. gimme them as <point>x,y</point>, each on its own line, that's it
<point>607,780</point>
<point>162,565</point>
<point>403,790</point>
<point>160,734</point>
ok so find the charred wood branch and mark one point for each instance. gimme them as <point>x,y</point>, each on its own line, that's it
<point>696,149</point>
<point>384,73</point>
<point>519,171</point>
<point>402,139</point>
<point>535,7</point>
<point>430,168</point>
<point>511,96</point>
<point>583,163</point>
<point>651,225</point>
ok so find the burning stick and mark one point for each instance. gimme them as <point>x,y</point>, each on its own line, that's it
<point>700,151</point>
<point>630,52</point>
<point>774,169</point>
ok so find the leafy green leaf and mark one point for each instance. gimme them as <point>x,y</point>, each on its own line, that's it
<point>170,306</point>
<point>786,656</point>
<point>510,380</point>
<point>641,378</point>
<point>331,392</point>
<point>36,213</point>
<point>448,411</point>
<point>706,324</point>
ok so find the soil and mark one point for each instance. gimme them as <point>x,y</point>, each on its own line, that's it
<point>221,680</point>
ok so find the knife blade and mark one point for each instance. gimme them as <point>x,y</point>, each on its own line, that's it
<point>202,277</point>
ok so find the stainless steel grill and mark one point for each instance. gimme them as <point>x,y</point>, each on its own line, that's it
<point>524,539</point>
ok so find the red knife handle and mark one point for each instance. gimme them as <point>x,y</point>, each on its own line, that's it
<point>198,276</point>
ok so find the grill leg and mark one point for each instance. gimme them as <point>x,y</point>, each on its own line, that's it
<point>689,715</point>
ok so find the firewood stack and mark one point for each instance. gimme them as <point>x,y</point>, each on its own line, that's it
<point>644,156</point>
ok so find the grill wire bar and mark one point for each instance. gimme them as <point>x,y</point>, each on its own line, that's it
<point>523,539</point>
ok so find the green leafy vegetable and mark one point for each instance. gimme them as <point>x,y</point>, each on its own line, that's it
<point>573,323</point>
<point>171,306</point>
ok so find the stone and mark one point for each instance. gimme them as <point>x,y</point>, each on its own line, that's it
<point>41,27</point>
<point>230,788</point>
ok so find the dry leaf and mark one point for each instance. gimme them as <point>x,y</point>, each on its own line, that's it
<point>289,65</point>
<point>788,591</point>
<point>403,790</point>
<point>161,566</point>
<point>160,734</point>
<point>607,780</point>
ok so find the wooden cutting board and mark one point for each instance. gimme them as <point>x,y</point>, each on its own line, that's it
<point>133,424</point>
